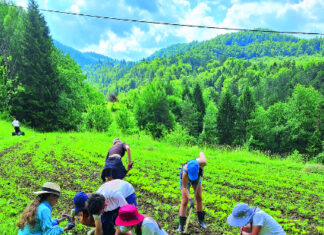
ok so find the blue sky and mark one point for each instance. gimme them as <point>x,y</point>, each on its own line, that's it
<point>134,41</point>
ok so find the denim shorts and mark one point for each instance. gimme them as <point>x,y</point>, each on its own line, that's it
<point>189,182</point>
<point>114,168</point>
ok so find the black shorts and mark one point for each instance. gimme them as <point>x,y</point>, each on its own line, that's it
<point>108,222</point>
<point>114,168</point>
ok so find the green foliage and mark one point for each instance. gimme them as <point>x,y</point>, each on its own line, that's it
<point>179,137</point>
<point>152,110</point>
<point>75,160</point>
<point>303,117</point>
<point>36,102</point>
<point>314,168</point>
<point>190,118</point>
<point>226,120</point>
<point>209,134</point>
<point>98,118</point>
<point>246,107</point>
<point>126,121</point>
<point>200,106</point>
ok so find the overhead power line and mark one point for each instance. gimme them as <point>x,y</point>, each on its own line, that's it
<point>179,25</point>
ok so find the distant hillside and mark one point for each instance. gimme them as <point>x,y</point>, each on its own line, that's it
<point>195,56</point>
<point>84,58</point>
<point>173,50</point>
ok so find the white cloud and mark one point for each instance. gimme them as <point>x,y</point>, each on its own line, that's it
<point>275,15</point>
<point>112,45</point>
<point>197,16</point>
<point>77,5</point>
<point>181,2</point>
<point>22,3</point>
<point>158,38</point>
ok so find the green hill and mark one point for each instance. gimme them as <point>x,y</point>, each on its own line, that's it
<point>198,55</point>
<point>75,160</point>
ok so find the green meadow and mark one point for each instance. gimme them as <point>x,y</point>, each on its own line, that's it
<point>290,191</point>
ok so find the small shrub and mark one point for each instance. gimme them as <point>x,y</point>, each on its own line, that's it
<point>179,137</point>
<point>314,168</point>
<point>98,118</point>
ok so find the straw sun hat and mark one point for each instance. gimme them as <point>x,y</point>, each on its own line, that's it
<point>49,187</point>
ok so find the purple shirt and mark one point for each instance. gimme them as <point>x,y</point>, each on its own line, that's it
<point>119,148</point>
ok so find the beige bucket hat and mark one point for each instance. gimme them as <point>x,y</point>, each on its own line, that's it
<point>49,187</point>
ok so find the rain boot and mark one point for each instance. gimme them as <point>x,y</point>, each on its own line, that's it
<point>201,218</point>
<point>182,221</point>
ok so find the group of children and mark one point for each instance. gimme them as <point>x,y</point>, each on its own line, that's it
<point>112,208</point>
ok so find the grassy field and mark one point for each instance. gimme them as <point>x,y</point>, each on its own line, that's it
<point>75,160</point>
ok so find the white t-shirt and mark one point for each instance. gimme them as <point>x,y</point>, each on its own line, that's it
<point>116,192</point>
<point>15,123</point>
<point>269,225</point>
<point>149,227</point>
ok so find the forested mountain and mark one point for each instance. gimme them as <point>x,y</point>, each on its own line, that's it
<point>261,90</point>
<point>243,45</point>
<point>258,90</point>
<point>84,58</point>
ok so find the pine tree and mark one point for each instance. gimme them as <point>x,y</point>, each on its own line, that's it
<point>226,119</point>
<point>200,105</point>
<point>209,134</point>
<point>245,108</point>
<point>190,118</point>
<point>186,93</point>
<point>36,102</point>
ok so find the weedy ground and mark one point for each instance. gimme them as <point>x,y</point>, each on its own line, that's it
<point>75,160</point>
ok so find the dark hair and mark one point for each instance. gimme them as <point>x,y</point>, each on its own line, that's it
<point>95,203</point>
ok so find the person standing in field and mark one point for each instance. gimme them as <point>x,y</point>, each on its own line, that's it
<point>16,124</point>
<point>191,175</point>
<point>36,219</point>
<point>132,222</point>
<point>114,168</point>
<point>100,209</point>
<point>253,221</point>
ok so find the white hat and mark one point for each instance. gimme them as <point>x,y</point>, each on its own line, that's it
<point>49,187</point>
<point>116,140</point>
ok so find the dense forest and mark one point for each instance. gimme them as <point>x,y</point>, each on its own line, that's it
<point>257,90</point>
<point>39,85</point>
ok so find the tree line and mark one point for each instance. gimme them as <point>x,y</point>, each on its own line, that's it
<point>39,85</point>
<point>206,93</point>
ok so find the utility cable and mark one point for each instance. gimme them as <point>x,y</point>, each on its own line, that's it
<point>177,24</point>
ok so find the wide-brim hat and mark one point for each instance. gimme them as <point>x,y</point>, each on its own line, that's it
<point>241,215</point>
<point>49,187</point>
<point>128,216</point>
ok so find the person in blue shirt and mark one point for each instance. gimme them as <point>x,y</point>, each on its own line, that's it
<point>36,219</point>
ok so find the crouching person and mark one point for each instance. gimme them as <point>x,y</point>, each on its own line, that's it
<point>105,203</point>
<point>253,221</point>
<point>132,222</point>
<point>36,219</point>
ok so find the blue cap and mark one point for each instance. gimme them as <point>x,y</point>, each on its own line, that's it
<point>193,169</point>
<point>79,201</point>
<point>241,215</point>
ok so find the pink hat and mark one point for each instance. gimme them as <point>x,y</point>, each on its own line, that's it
<point>128,216</point>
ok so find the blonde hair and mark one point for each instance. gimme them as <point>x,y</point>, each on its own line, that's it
<point>29,214</point>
